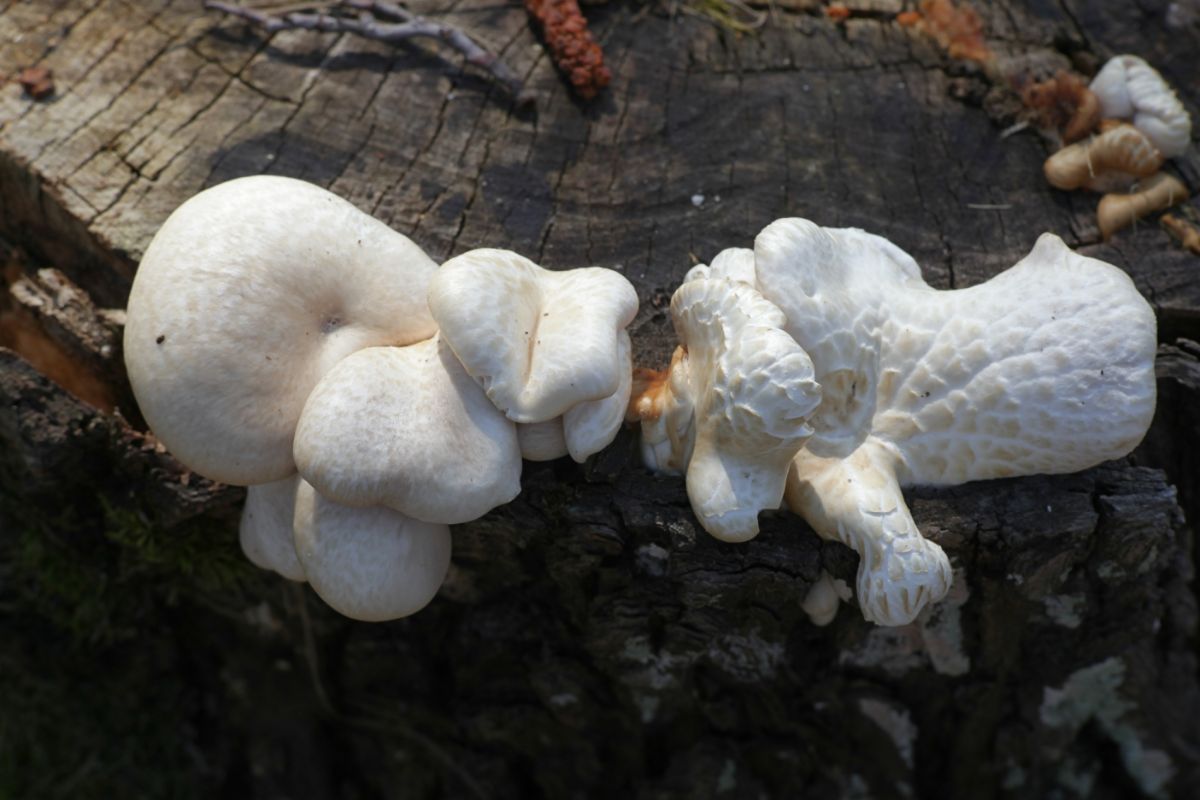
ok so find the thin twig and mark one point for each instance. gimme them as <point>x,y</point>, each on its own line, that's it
<point>368,18</point>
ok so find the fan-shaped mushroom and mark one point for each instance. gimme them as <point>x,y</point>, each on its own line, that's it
<point>542,344</point>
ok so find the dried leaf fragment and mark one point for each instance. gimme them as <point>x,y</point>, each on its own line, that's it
<point>571,44</point>
<point>837,12</point>
<point>1063,103</point>
<point>956,28</point>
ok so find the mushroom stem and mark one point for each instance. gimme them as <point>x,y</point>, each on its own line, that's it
<point>857,501</point>
<point>1117,211</point>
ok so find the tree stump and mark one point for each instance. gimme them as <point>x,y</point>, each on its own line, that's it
<point>591,639</point>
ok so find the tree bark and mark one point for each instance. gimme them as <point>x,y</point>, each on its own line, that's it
<point>591,639</point>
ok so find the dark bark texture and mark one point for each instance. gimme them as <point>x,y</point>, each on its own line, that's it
<point>591,640</point>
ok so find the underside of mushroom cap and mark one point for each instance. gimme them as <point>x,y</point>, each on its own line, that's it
<point>750,390</point>
<point>538,342</point>
<point>265,531</point>
<point>246,297</point>
<point>407,428</point>
<point>372,564</point>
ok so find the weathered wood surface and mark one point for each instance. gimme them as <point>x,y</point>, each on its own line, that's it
<point>592,641</point>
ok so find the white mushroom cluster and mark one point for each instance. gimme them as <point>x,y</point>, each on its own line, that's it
<point>281,339</point>
<point>1143,124</point>
<point>822,358</point>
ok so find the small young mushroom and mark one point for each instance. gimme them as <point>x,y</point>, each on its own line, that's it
<point>249,293</point>
<point>369,563</point>
<point>1046,368</point>
<point>1129,88</point>
<point>732,411</point>
<point>407,428</point>
<point>1113,160</point>
<point>1117,211</point>
<point>265,531</point>
<point>540,343</point>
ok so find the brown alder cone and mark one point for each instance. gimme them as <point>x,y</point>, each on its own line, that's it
<point>575,52</point>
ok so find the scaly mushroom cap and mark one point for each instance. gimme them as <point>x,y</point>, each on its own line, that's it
<point>538,342</point>
<point>371,564</point>
<point>739,392</point>
<point>265,531</point>
<point>1129,88</point>
<point>1046,368</point>
<point>407,428</point>
<point>249,293</point>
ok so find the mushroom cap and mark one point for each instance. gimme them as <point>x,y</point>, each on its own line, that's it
<point>1129,88</point>
<point>751,390</point>
<point>538,342</point>
<point>1045,368</point>
<point>371,564</point>
<point>407,428</point>
<point>265,531</point>
<point>591,426</point>
<point>249,293</point>
<point>585,428</point>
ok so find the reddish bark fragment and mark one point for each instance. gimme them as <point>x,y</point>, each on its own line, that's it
<point>571,45</point>
<point>837,12</point>
<point>38,82</point>
<point>957,28</point>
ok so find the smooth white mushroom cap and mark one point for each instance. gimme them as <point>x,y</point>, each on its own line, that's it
<point>539,342</point>
<point>748,389</point>
<point>585,428</point>
<point>265,531</point>
<point>249,293</point>
<point>590,426</point>
<point>407,428</point>
<point>372,564</point>
<point>1129,88</point>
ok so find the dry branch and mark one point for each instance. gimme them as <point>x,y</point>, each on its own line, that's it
<point>379,20</point>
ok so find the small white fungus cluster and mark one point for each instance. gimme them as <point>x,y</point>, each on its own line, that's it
<point>279,338</point>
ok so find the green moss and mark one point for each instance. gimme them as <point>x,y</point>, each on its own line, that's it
<point>98,682</point>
